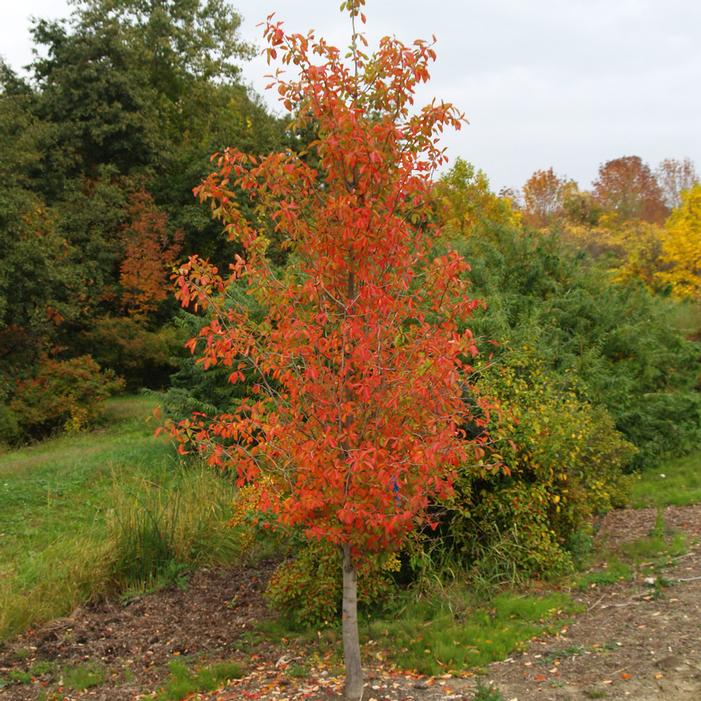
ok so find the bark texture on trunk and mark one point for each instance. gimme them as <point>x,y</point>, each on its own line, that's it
<point>351,640</point>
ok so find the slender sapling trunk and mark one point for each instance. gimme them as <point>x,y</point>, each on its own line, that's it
<point>351,640</point>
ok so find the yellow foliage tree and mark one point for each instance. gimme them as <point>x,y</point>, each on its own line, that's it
<point>465,200</point>
<point>681,246</point>
<point>640,243</point>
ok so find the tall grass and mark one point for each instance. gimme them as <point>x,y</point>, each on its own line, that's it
<point>52,583</point>
<point>180,522</point>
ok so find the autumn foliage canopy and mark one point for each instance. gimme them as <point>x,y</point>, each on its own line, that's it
<point>360,363</point>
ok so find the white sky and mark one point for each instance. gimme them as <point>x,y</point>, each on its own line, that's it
<point>562,83</point>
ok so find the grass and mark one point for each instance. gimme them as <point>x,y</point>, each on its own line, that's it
<point>88,514</point>
<point>114,511</point>
<point>454,633</point>
<point>86,676</point>
<point>675,483</point>
<point>298,671</point>
<point>183,681</point>
<point>75,677</point>
<point>649,554</point>
<point>435,630</point>
<point>611,571</point>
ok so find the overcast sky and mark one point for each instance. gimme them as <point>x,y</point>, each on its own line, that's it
<point>562,83</point>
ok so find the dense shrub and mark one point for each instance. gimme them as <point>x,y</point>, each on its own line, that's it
<point>556,460</point>
<point>64,394</point>
<point>618,339</point>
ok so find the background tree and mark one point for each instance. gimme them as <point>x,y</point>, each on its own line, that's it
<point>627,188</point>
<point>361,367</point>
<point>125,102</point>
<point>35,274</point>
<point>466,203</point>
<point>681,246</point>
<point>674,177</point>
<point>543,197</point>
<point>149,254</point>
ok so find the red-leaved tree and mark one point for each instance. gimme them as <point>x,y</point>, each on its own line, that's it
<point>361,366</point>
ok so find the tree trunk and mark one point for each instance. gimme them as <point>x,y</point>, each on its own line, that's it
<point>351,641</point>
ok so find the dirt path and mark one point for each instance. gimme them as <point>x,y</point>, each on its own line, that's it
<point>632,642</point>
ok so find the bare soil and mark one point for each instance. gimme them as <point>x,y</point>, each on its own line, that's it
<point>633,641</point>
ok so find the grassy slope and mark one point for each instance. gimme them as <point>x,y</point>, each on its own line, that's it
<point>53,501</point>
<point>54,489</point>
<point>84,515</point>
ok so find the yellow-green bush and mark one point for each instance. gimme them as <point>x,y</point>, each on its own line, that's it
<point>555,462</point>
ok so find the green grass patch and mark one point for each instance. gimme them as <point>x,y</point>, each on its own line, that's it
<point>86,515</point>
<point>184,681</point>
<point>649,554</point>
<point>434,630</point>
<point>15,676</point>
<point>655,547</point>
<point>78,678</point>
<point>612,570</point>
<point>674,483</point>
<point>85,676</point>
<point>439,634</point>
<point>298,671</point>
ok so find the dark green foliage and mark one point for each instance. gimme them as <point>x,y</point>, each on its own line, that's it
<point>591,378</point>
<point>143,356</point>
<point>194,389</point>
<point>10,432</point>
<point>35,271</point>
<point>118,78</point>
<point>619,340</point>
<point>96,93</point>
<point>126,98</point>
